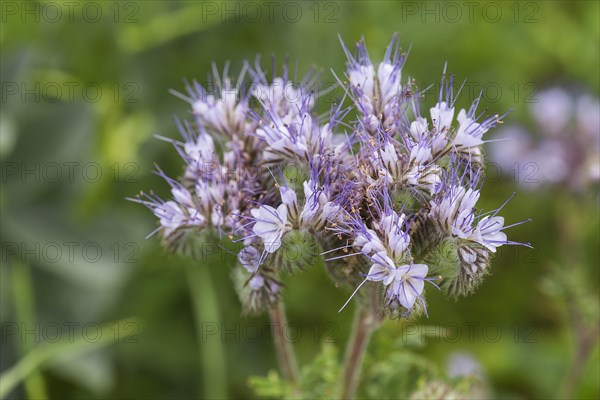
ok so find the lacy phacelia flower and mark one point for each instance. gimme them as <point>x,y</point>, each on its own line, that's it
<point>375,89</point>
<point>225,111</point>
<point>565,149</point>
<point>385,197</point>
<point>270,225</point>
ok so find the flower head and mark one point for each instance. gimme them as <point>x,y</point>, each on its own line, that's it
<point>386,196</point>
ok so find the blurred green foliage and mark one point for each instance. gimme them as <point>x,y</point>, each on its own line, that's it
<point>120,65</point>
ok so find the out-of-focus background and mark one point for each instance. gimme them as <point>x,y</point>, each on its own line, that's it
<point>90,309</point>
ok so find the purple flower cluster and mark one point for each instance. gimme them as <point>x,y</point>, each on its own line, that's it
<point>565,149</point>
<point>385,195</point>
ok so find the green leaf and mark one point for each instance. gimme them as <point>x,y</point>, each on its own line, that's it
<point>318,379</point>
<point>45,353</point>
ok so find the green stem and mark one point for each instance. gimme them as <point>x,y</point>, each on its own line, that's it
<point>366,321</point>
<point>211,351</point>
<point>35,387</point>
<point>585,335</point>
<point>585,340</point>
<point>283,347</point>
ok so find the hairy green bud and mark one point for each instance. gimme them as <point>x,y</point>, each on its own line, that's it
<point>299,250</point>
<point>403,199</point>
<point>459,264</point>
<point>193,242</point>
<point>257,292</point>
<point>295,175</point>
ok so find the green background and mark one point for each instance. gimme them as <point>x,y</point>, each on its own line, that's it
<point>92,90</point>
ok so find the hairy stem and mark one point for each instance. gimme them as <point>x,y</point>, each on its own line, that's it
<point>365,322</point>
<point>585,340</point>
<point>285,352</point>
<point>585,334</point>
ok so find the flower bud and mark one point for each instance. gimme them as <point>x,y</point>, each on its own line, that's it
<point>394,310</point>
<point>459,264</point>
<point>299,250</point>
<point>258,292</point>
<point>403,199</point>
<point>295,175</point>
<point>193,242</point>
<point>348,272</point>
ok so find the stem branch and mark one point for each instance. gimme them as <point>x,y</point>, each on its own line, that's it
<point>365,322</point>
<point>283,347</point>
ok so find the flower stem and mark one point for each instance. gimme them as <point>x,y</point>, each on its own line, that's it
<point>585,340</point>
<point>206,309</point>
<point>285,352</point>
<point>365,322</point>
